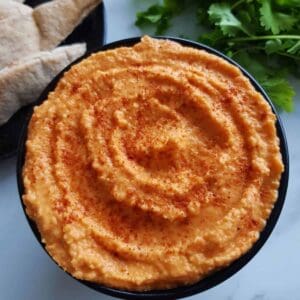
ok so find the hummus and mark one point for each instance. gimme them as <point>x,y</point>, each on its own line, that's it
<point>150,167</point>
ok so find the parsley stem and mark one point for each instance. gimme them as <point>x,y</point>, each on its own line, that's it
<point>234,5</point>
<point>247,49</point>
<point>266,37</point>
<point>289,55</point>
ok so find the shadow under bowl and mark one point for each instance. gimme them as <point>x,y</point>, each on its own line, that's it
<point>217,277</point>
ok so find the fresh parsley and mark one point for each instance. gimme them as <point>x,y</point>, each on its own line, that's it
<point>262,35</point>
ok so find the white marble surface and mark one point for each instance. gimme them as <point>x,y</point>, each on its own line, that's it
<point>27,273</point>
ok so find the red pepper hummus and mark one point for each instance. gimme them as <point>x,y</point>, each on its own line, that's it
<point>152,166</point>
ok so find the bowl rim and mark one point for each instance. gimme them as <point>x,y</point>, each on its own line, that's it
<point>217,277</point>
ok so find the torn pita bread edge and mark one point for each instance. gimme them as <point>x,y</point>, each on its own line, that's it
<point>23,83</point>
<point>57,19</point>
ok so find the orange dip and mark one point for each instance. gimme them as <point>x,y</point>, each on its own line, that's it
<point>151,166</point>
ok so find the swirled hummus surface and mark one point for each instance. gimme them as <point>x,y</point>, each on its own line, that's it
<point>150,167</point>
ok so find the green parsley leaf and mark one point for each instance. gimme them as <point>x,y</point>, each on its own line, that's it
<point>276,86</point>
<point>273,46</point>
<point>220,14</point>
<point>295,48</point>
<point>211,38</point>
<point>262,35</point>
<point>175,6</point>
<point>157,15</point>
<point>277,46</point>
<point>275,21</point>
<point>288,3</point>
<point>280,92</point>
<point>252,65</point>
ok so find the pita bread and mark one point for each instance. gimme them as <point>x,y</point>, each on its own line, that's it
<point>23,82</point>
<point>40,29</point>
<point>18,33</point>
<point>11,8</point>
<point>5,1</point>
<point>19,37</point>
<point>57,19</point>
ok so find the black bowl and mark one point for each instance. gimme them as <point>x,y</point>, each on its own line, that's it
<point>218,276</point>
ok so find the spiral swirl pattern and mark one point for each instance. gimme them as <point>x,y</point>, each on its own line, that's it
<point>150,152</point>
